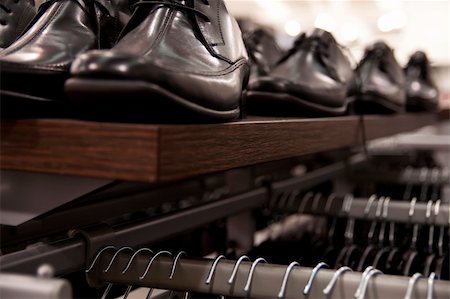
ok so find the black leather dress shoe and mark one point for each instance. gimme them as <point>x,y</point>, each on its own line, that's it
<point>15,15</point>
<point>421,91</point>
<point>381,82</point>
<point>263,51</point>
<point>35,67</point>
<point>314,77</point>
<point>176,60</point>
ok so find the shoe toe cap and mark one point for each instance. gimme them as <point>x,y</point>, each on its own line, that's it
<point>105,64</point>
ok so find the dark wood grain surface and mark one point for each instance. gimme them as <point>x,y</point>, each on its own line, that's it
<point>80,148</point>
<point>152,153</point>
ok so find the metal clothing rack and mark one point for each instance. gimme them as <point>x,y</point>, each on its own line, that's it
<point>359,208</point>
<point>251,280</point>
<point>13,286</point>
<point>409,175</point>
<point>146,231</point>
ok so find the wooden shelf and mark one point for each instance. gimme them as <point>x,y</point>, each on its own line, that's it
<point>156,153</point>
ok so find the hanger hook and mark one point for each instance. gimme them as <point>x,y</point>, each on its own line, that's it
<point>384,217</point>
<point>412,282</point>
<point>373,226</point>
<point>127,292</point>
<point>213,268</point>
<point>387,202</point>
<point>424,173</point>
<point>252,272</point>
<point>305,200</point>
<point>175,263</point>
<point>97,257</point>
<point>108,288</point>
<point>437,209</point>
<point>328,205</point>
<point>412,208</point>
<point>133,257</point>
<point>365,283</point>
<point>366,271</point>
<point>348,202</point>
<point>430,288</point>
<point>285,278</point>
<point>428,211</point>
<point>236,268</point>
<point>431,229</point>
<point>336,276</point>
<point>313,275</point>
<point>369,205</point>
<point>115,256</point>
<point>315,204</point>
<point>151,262</point>
<point>349,229</point>
<point>329,202</point>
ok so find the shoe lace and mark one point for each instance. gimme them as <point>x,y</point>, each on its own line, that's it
<point>380,55</point>
<point>252,41</point>
<point>175,5</point>
<point>319,46</point>
<point>421,66</point>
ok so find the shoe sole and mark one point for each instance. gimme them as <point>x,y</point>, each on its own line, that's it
<point>268,101</point>
<point>374,104</point>
<point>137,100</point>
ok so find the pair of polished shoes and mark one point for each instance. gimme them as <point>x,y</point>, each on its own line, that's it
<point>316,77</point>
<point>166,60</point>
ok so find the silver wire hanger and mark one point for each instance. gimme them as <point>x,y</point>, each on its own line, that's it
<point>147,269</point>
<point>327,290</point>
<point>213,268</point>
<point>412,282</point>
<point>365,283</point>
<point>236,268</point>
<point>313,275</point>
<point>252,272</point>
<point>283,287</point>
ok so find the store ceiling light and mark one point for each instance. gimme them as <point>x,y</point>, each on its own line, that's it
<point>393,20</point>
<point>350,32</point>
<point>292,28</point>
<point>274,9</point>
<point>324,21</point>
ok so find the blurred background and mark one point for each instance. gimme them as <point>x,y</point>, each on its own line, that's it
<point>406,26</point>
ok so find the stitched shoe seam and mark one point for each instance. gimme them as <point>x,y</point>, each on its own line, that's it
<point>49,67</point>
<point>224,72</point>
<point>38,33</point>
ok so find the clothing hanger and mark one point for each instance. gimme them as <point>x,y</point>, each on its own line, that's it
<point>373,244</point>
<point>348,234</point>
<point>411,257</point>
<point>289,269</point>
<point>412,282</point>
<point>313,275</point>
<point>330,253</point>
<point>329,288</point>
<point>430,261</point>
<point>382,255</point>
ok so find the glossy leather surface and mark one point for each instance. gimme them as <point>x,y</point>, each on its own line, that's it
<point>381,79</point>
<point>316,71</point>
<point>204,62</point>
<point>422,93</point>
<point>263,51</point>
<point>15,15</point>
<point>38,62</point>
